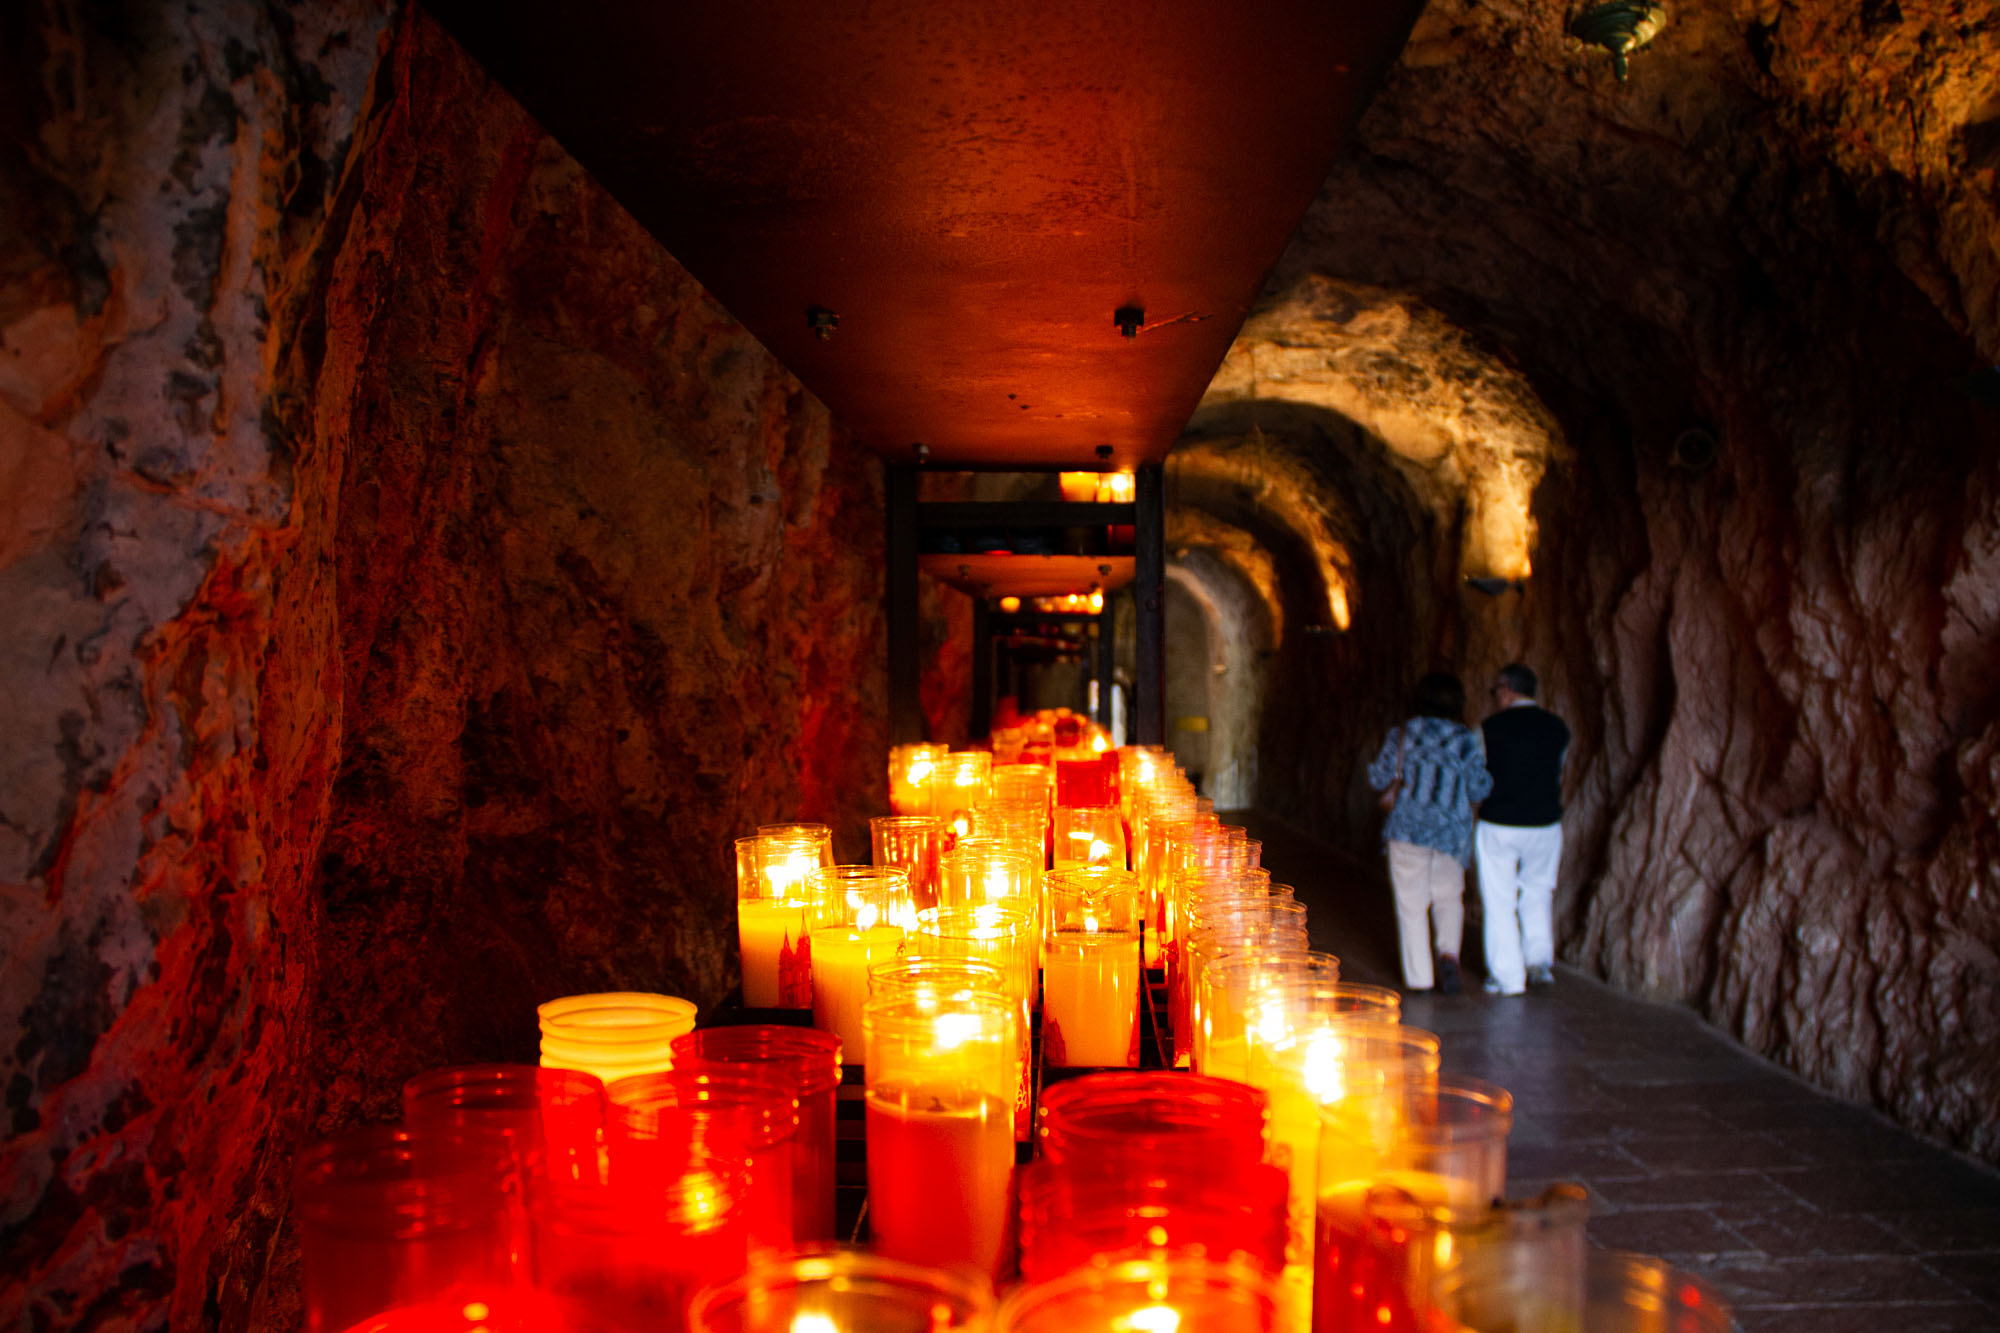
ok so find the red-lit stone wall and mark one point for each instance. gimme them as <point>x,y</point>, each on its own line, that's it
<point>411,581</point>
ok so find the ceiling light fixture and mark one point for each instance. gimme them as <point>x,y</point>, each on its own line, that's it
<point>1620,27</point>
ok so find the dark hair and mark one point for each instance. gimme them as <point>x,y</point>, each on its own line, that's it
<point>1519,678</point>
<point>1441,695</point>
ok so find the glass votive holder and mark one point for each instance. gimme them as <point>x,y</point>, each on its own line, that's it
<point>819,835</point>
<point>1104,1213</point>
<point>1017,826</point>
<point>1090,835</point>
<point>384,1225</point>
<point>984,870</point>
<point>1086,782</point>
<point>629,1251</point>
<point>1622,1293</point>
<point>1527,1252</point>
<point>613,1034</point>
<point>1005,936</point>
<point>1091,969</point>
<point>1147,1296</point>
<point>913,844</point>
<point>1024,784</point>
<point>771,871</point>
<point>859,916</point>
<point>960,781</point>
<point>747,1113</point>
<point>547,1122</point>
<point>910,768</point>
<point>1139,1118</point>
<point>941,1082</point>
<point>809,1060</point>
<point>843,1291</point>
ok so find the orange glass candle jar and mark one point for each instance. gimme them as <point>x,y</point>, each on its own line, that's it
<point>613,1034</point>
<point>809,1063</point>
<point>747,1113</point>
<point>941,1075</point>
<point>1089,835</point>
<point>843,1292</point>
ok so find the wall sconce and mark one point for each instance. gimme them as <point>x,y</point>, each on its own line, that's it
<point>1078,487</point>
<point>1620,27</point>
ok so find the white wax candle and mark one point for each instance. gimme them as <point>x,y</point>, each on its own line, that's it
<point>768,932</point>
<point>841,957</point>
<point>939,1163</point>
<point>1090,994</point>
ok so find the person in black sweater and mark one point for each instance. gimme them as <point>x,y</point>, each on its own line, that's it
<point>1518,840</point>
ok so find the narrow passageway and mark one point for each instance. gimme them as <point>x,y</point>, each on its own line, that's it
<point>1806,1212</point>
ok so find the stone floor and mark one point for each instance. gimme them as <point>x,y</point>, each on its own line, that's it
<point>1806,1212</point>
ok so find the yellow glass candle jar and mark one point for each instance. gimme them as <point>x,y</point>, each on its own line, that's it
<point>940,1090</point>
<point>613,1034</point>
<point>911,843</point>
<point>857,916</point>
<point>910,769</point>
<point>771,869</point>
<point>1090,969</point>
<point>1005,936</point>
<point>961,781</point>
<point>1091,835</point>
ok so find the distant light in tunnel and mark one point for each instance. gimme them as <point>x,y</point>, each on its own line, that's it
<point>1078,487</point>
<point>1336,602</point>
<point>1116,488</point>
<point>1009,605</point>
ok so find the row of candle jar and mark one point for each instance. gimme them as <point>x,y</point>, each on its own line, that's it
<point>934,780</point>
<point>1079,928</point>
<point>608,1206</point>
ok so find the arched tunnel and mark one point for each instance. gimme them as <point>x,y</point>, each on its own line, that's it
<point>413,578</point>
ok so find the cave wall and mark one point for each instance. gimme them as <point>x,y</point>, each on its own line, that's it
<point>1777,655</point>
<point>413,582</point>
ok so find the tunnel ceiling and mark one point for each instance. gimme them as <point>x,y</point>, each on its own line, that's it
<point>972,190</point>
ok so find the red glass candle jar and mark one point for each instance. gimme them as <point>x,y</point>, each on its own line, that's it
<point>1091,1215</point>
<point>549,1121</point>
<point>1147,1296</point>
<point>748,1113</point>
<point>1151,1118</point>
<point>629,1250</point>
<point>809,1061</point>
<point>383,1225</point>
<point>841,1291</point>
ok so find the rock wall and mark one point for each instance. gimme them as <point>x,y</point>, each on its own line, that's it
<point>1755,287</point>
<point>413,583</point>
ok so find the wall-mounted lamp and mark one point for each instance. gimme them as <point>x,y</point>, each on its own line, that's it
<point>1129,319</point>
<point>821,321</point>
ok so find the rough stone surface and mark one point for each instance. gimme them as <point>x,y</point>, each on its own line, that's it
<point>1753,290</point>
<point>422,581</point>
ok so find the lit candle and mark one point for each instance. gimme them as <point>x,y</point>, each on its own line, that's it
<point>613,1035</point>
<point>1089,836</point>
<point>1179,1295</point>
<point>1090,969</point>
<point>771,869</point>
<point>940,1120</point>
<point>860,915</point>
<point>910,768</point>
<point>960,781</point>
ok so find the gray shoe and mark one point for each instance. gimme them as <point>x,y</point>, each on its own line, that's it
<point>1541,977</point>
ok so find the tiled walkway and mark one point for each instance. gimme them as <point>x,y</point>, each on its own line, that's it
<point>1806,1212</point>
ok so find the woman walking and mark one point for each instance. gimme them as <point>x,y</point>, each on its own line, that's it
<point>1431,771</point>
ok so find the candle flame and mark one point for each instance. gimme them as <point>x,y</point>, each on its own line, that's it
<point>1151,1319</point>
<point>866,917</point>
<point>1090,923</point>
<point>1099,744</point>
<point>813,1323</point>
<point>1100,852</point>
<point>998,885</point>
<point>954,1030</point>
<point>920,769</point>
<point>1323,1074</point>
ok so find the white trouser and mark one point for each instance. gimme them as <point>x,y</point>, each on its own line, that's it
<point>1427,884</point>
<point>1517,886</point>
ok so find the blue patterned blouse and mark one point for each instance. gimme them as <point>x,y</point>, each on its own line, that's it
<point>1444,772</point>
